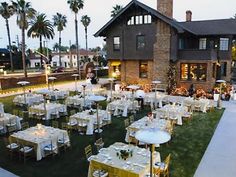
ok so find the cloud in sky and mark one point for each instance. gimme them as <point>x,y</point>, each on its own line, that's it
<point>99,11</point>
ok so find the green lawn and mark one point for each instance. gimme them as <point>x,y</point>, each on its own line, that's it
<point>187,148</point>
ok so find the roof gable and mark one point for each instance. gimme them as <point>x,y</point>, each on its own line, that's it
<point>150,10</point>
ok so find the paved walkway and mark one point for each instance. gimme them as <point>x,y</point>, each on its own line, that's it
<point>219,159</point>
<point>4,173</point>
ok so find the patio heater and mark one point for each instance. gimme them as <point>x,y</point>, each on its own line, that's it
<point>23,84</point>
<point>84,87</point>
<point>75,75</point>
<point>219,102</point>
<point>155,83</point>
<point>152,136</point>
<point>97,99</point>
<point>111,80</point>
<point>52,81</point>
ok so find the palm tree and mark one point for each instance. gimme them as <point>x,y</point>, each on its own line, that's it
<point>116,10</point>
<point>6,12</point>
<point>59,21</point>
<point>86,21</point>
<point>24,12</point>
<point>41,27</point>
<point>75,6</point>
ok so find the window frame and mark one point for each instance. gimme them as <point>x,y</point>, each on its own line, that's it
<point>143,75</point>
<point>137,42</point>
<point>224,42</point>
<point>202,44</point>
<point>115,48</point>
<point>189,78</point>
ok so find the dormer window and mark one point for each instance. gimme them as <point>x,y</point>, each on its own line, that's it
<point>140,19</point>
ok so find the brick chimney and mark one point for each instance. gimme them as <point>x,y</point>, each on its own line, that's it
<point>165,7</point>
<point>188,16</point>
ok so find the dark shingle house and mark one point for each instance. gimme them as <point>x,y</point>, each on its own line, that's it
<point>142,42</point>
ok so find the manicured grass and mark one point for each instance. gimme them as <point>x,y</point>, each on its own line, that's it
<point>187,147</point>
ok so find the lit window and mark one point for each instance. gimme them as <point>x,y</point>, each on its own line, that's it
<point>147,19</point>
<point>116,43</point>
<point>143,69</point>
<point>193,72</point>
<point>140,42</point>
<point>202,43</point>
<point>224,43</point>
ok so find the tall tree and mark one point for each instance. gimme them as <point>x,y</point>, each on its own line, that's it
<point>75,6</point>
<point>41,27</point>
<point>116,10</point>
<point>24,13</point>
<point>6,12</point>
<point>59,21</point>
<point>86,21</point>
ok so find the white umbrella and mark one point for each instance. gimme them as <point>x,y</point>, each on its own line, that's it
<point>96,99</point>
<point>152,136</point>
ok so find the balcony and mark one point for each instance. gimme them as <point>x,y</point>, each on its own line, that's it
<point>196,54</point>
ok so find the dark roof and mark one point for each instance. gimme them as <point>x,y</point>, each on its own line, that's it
<point>150,10</point>
<point>211,27</point>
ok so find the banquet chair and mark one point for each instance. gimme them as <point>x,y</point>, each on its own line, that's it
<point>100,173</point>
<point>24,125</point>
<point>88,152</point>
<point>12,122</point>
<point>126,122</point>
<point>63,143</point>
<point>50,149</point>
<point>25,151</point>
<point>55,124</point>
<point>131,119</point>
<point>40,115</point>
<point>1,129</point>
<point>11,129</point>
<point>170,127</point>
<point>54,115</point>
<point>11,147</point>
<point>71,123</point>
<point>82,125</point>
<point>99,144</point>
<point>210,106</point>
<point>197,107</point>
<point>163,166</point>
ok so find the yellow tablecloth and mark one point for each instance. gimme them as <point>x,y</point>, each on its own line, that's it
<point>136,165</point>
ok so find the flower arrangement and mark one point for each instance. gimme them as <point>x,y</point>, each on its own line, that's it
<point>124,154</point>
<point>91,112</point>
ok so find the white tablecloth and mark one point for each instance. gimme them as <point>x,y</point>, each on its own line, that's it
<point>202,102</point>
<point>122,105</point>
<point>40,137</point>
<point>144,123</point>
<point>56,93</point>
<point>91,119</point>
<point>29,98</point>
<point>50,108</point>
